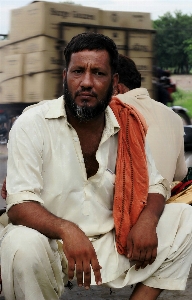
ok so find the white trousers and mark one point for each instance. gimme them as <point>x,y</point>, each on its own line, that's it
<point>34,267</point>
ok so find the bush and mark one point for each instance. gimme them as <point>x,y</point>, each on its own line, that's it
<point>184,99</point>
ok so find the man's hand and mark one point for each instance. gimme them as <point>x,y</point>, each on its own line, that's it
<point>81,256</point>
<point>78,249</point>
<point>142,244</point>
<point>3,190</point>
<point>142,239</point>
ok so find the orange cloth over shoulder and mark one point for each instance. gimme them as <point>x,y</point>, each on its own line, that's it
<point>132,181</point>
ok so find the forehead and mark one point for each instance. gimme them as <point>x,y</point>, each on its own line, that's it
<point>92,58</point>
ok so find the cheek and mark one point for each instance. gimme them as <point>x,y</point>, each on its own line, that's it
<point>104,88</point>
<point>72,86</point>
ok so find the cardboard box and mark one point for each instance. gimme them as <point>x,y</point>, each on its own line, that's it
<point>43,18</point>
<point>146,80</point>
<point>70,31</point>
<point>12,90</point>
<point>36,44</point>
<point>3,52</point>
<point>13,66</point>
<point>144,64</point>
<point>124,19</point>
<point>140,44</point>
<point>43,86</point>
<point>41,43</point>
<point>42,61</point>
<point>118,36</point>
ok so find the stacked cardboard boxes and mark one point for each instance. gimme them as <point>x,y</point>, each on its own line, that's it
<point>31,61</point>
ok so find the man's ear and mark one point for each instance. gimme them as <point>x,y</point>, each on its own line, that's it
<point>115,83</point>
<point>64,74</point>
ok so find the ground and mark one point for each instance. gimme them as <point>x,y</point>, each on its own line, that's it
<point>183,82</point>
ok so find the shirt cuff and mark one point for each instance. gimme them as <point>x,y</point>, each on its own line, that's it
<point>162,188</point>
<point>21,197</point>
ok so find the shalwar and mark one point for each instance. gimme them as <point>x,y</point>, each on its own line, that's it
<point>45,164</point>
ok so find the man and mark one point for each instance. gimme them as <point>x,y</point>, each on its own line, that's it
<point>165,128</point>
<point>78,168</point>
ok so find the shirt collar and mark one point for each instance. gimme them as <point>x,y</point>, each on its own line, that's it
<point>57,109</point>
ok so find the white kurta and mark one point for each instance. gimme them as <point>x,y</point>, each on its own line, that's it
<point>45,164</point>
<point>165,134</point>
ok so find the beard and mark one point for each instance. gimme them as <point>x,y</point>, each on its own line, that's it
<point>85,112</point>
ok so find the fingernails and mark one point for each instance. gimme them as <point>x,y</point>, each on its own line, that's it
<point>99,283</point>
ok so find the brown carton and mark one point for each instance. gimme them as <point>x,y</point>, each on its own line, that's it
<point>140,44</point>
<point>146,81</point>
<point>144,64</point>
<point>124,19</point>
<point>41,43</point>
<point>3,52</point>
<point>43,18</point>
<point>13,66</point>
<point>12,90</point>
<point>42,61</point>
<point>42,86</point>
<point>118,36</point>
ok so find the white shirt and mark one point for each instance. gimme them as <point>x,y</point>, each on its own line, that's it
<point>45,164</point>
<point>165,133</point>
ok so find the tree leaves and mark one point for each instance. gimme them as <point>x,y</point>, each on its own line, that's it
<point>173,42</point>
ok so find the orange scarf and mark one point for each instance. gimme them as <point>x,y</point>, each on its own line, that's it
<point>131,184</point>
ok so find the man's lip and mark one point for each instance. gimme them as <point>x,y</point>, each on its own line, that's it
<point>85,95</point>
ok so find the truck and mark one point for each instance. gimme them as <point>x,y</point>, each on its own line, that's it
<point>31,56</point>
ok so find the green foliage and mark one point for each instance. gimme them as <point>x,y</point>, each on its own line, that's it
<point>173,42</point>
<point>183,98</point>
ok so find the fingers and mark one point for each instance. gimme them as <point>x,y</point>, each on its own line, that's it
<point>82,268</point>
<point>96,269</point>
<point>71,268</point>
<point>129,248</point>
<point>146,258</point>
<point>87,275</point>
<point>79,273</point>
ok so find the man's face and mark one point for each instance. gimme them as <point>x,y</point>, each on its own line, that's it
<point>88,83</point>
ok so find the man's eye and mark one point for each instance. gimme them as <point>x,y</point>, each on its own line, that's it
<point>99,73</point>
<point>77,71</point>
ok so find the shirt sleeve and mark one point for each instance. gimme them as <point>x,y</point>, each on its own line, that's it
<point>157,184</point>
<point>24,180</point>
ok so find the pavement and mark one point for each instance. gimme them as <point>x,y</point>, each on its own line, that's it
<point>98,292</point>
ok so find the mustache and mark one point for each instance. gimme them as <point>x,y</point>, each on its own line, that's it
<point>87,91</point>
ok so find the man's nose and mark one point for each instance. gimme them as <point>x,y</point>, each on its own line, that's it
<point>87,80</point>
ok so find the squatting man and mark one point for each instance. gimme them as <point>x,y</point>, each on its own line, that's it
<point>84,196</point>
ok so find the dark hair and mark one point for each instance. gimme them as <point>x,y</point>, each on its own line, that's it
<point>128,73</point>
<point>92,41</point>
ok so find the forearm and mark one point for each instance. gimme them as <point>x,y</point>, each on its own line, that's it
<point>153,210</point>
<point>33,215</point>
